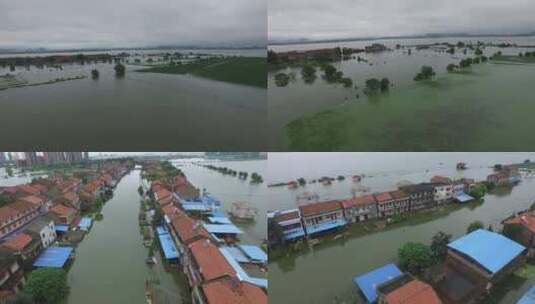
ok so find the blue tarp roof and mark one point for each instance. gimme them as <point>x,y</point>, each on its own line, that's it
<point>195,207</point>
<point>528,297</point>
<point>219,220</point>
<point>463,197</point>
<point>161,230</point>
<point>62,227</point>
<point>218,213</point>
<point>226,228</point>
<point>369,281</point>
<point>167,244</point>
<point>491,250</point>
<point>254,252</point>
<point>242,275</point>
<point>325,226</point>
<point>237,254</point>
<point>85,223</point>
<point>53,257</point>
<point>294,234</point>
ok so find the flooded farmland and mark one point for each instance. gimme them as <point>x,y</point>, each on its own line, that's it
<point>483,108</point>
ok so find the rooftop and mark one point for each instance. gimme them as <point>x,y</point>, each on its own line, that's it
<point>383,197</point>
<point>368,282</point>
<point>491,250</point>
<point>319,208</point>
<point>229,290</point>
<point>53,257</point>
<point>359,201</point>
<point>414,292</point>
<point>18,242</point>
<point>212,264</point>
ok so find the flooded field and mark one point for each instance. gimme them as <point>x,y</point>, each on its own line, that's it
<point>485,107</point>
<point>148,111</point>
<point>334,263</point>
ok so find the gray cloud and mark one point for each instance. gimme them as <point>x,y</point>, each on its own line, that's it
<point>127,23</point>
<point>320,19</point>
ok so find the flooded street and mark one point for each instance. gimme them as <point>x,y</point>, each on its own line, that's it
<point>334,263</point>
<point>110,262</point>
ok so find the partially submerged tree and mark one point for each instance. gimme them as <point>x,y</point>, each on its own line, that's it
<point>426,72</point>
<point>439,244</point>
<point>95,74</point>
<point>475,226</point>
<point>119,70</point>
<point>47,285</point>
<point>415,257</point>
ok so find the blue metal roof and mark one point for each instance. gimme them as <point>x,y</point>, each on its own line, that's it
<point>168,246</point>
<point>242,275</point>
<point>85,223</point>
<point>528,297</point>
<point>254,252</point>
<point>226,228</point>
<point>294,234</point>
<point>62,227</point>
<point>369,281</point>
<point>463,197</point>
<point>195,207</point>
<point>161,230</point>
<point>491,250</point>
<point>325,226</point>
<point>219,220</point>
<point>53,257</point>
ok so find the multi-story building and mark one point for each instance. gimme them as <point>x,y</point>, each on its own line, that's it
<point>16,215</point>
<point>44,228</point>
<point>443,189</point>
<point>360,208</point>
<point>322,216</point>
<point>290,223</point>
<point>421,195</point>
<point>11,274</point>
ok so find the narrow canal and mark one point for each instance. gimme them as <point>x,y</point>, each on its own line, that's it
<point>324,274</point>
<point>110,261</point>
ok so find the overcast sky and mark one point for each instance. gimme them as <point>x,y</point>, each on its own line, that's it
<point>131,23</point>
<point>321,19</point>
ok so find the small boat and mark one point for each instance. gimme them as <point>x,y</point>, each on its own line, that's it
<point>243,211</point>
<point>292,185</point>
<point>150,260</point>
<point>461,166</point>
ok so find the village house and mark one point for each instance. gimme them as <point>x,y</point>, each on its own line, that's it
<point>42,202</point>
<point>443,189</point>
<point>401,201</point>
<point>27,189</point>
<point>44,228</point>
<point>163,197</point>
<point>290,222</point>
<point>322,216</point>
<point>230,290</point>
<point>70,199</point>
<point>385,204</point>
<point>498,178</point>
<point>16,215</point>
<point>184,231</point>
<point>11,275</point>
<point>525,221</point>
<point>375,47</point>
<point>64,214</point>
<point>24,247</point>
<point>406,289</point>
<point>360,208</point>
<point>474,265</point>
<point>421,196</point>
<point>207,264</point>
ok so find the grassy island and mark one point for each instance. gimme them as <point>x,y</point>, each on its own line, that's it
<point>249,71</point>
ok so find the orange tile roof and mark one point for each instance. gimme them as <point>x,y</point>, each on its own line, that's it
<point>398,194</point>
<point>414,292</point>
<point>229,290</point>
<point>19,242</point>
<point>33,199</point>
<point>162,194</point>
<point>186,228</point>
<point>23,206</point>
<point>527,219</point>
<point>6,212</point>
<point>383,197</point>
<point>62,210</point>
<point>211,262</point>
<point>28,189</point>
<point>321,207</point>
<point>358,201</point>
<point>71,197</point>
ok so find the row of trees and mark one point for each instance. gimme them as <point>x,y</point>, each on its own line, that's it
<point>44,286</point>
<point>119,68</point>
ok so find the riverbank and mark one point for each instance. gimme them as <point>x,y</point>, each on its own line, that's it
<point>249,71</point>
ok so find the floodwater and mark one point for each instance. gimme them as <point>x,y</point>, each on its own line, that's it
<point>110,262</point>
<point>483,110</point>
<point>324,274</point>
<point>230,189</point>
<point>146,111</point>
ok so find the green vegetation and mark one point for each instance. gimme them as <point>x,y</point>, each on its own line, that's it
<point>415,257</point>
<point>452,67</point>
<point>475,226</point>
<point>47,285</point>
<point>119,70</point>
<point>308,72</point>
<point>95,74</point>
<point>478,191</point>
<point>140,190</point>
<point>478,52</point>
<point>513,231</point>
<point>282,79</point>
<point>439,244</point>
<point>256,178</point>
<point>426,73</point>
<point>249,71</point>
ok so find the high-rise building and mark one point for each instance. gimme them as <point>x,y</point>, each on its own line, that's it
<point>2,157</point>
<point>31,158</point>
